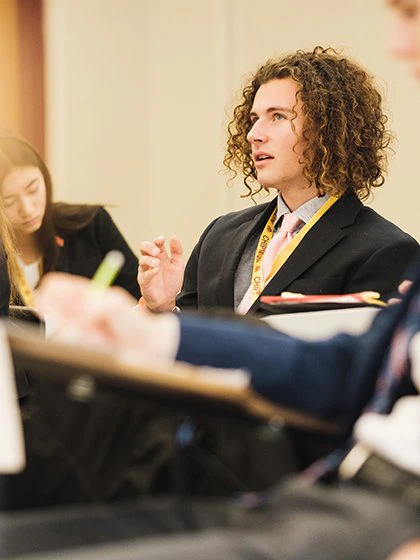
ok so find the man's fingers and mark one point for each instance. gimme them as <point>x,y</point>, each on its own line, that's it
<point>159,241</point>
<point>150,251</point>
<point>144,276</point>
<point>147,248</point>
<point>175,246</point>
<point>147,263</point>
<point>404,286</point>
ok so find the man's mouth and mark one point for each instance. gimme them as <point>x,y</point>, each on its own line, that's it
<point>262,157</point>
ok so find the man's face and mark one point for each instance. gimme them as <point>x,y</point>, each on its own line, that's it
<point>405,39</point>
<point>276,147</point>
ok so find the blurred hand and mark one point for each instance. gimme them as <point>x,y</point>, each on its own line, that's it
<point>408,551</point>
<point>160,275</point>
<point>106,321</point>
<point>395,436</point>
<point>403,289</point>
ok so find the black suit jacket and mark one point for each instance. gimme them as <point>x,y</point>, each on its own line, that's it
<point>84,250</point>
<point>350,249</point>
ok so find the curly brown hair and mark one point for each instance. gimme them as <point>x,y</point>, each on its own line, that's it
<point>344,123</point>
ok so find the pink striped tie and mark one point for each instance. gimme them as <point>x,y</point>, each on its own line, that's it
<point>276,244</point>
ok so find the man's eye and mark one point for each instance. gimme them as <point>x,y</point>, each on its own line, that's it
<point>410,11</point>
<point>278,117</point>
<point>8,203</point>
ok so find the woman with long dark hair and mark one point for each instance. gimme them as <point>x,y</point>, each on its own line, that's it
<point>54,235</point>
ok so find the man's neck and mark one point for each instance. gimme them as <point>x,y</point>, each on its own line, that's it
<point>295,197</point>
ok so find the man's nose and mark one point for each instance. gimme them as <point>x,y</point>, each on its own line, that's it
<point>257,133</point>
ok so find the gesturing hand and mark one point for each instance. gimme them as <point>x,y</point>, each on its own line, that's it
<point>160,274</point>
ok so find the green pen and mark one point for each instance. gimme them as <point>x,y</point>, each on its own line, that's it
<point>104,276</point>
<point>107,270</point>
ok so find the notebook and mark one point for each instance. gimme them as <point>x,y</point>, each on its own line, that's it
<point>289,302</point>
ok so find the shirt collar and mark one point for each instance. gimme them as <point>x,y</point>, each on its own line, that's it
<point>305,211</point>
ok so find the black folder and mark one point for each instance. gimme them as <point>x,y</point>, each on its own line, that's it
<point>99,429</point>
<point>197,387</point>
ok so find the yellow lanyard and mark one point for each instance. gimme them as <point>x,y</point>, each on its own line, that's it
<point>258,283</point>
<point>24,289</point>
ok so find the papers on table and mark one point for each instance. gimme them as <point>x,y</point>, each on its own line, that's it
<point>289,302</point>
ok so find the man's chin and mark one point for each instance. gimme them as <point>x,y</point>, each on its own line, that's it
<point>267,184</point>
<point>270,188</point>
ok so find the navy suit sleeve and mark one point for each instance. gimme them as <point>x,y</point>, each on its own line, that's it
<point>323,378</point>
<point>109,237</point>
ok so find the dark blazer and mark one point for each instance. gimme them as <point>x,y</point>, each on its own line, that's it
<point>332,379</point>
<point>82,253</point>
<point>350,249</point>
<point>4,286</point>
<point>84,250</point>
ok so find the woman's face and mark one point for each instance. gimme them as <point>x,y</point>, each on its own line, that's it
<point>24,199</point>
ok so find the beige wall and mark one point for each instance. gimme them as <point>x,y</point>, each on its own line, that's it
<point>137,92</point>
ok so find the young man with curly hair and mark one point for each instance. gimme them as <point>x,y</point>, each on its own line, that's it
<point>310,126</point>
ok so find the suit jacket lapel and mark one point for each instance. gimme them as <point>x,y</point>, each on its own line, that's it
<point>235,242</point>
<point>326,233</point>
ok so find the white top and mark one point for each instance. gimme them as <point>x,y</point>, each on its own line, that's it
<point>31,272</point>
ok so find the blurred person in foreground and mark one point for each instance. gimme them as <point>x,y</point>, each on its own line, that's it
<point>369,516</point>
